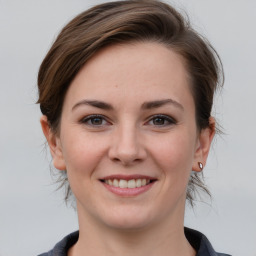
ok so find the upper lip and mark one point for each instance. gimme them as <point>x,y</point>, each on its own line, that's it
<point>127,177</point>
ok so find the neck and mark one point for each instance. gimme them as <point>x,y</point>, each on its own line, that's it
<point>159,239</point>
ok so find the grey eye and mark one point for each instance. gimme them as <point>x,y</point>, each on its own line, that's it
<point>159,121</point>
<point>96,121</point>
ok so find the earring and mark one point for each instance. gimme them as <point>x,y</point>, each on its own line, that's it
<point>201,166</point>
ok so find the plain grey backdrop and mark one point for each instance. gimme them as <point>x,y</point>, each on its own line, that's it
<point>33,216</point>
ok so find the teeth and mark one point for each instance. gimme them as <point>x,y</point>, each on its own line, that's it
<point>131,184</point>
<point>115,183</point>
<point>134,183</point>
<point>122,184</point>
<point>138,183</point>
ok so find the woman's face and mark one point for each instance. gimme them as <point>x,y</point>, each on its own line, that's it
<point>128,137</point>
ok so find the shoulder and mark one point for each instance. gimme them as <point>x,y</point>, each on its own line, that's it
<point>197,240</point>
<point>61,248</point>
<point>201,244</point>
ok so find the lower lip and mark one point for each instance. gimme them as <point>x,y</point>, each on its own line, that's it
<point>128,192</point>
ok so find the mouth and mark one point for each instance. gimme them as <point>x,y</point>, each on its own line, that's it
<point>127,185</point>
<point>132,183</point>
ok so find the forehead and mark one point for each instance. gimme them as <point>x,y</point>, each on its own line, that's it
<point>134,72</point>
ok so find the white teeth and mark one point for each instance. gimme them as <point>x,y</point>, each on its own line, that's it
<point>115,183</point>
<point>138,183</point>
<point>133,183</point>
<point>122,184</point>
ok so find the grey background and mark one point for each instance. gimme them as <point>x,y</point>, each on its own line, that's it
<point>33,216</point>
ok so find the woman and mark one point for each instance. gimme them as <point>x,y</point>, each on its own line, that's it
<point>126,93</point>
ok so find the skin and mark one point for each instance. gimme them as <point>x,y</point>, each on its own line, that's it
<point>131,138</point>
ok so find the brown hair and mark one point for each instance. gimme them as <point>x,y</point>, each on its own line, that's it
<point>122,22</point>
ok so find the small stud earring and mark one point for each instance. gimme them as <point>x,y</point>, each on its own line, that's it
<point>201,166</point>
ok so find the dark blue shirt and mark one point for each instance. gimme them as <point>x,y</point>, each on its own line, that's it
<point>197,240</point>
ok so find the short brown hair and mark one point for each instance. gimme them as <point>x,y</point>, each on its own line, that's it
<point>121,22</point>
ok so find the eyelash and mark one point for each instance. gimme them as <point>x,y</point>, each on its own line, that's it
<point>170,121</point>
<point>167,120</point>
<point>88,120</point>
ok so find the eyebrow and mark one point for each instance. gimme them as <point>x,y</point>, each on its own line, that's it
<point>144,106</point>
<point>93,103</point>
<point>160,103</point>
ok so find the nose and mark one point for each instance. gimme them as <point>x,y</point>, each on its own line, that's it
<point>126,146</point>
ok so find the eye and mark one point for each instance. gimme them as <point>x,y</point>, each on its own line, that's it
<point>95,120</point>
<point>161,120</point>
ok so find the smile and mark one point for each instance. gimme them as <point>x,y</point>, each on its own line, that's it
<point>128,186</point>
<point>133,183</point>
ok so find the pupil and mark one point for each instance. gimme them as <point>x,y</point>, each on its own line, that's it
<point>158,121</point>
<point>96,121</point>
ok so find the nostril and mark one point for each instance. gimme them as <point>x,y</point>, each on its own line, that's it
<point>116,159</point>
<point>126,161</point>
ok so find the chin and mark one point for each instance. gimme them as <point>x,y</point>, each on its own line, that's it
<point>128,220</point>
<point>128,224</point>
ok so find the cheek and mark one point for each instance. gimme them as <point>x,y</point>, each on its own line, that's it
<point>82,153</point>
<point>173,157</point>
<point>175,154</point>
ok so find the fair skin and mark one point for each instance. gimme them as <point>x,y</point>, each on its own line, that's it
<point>129,115</point>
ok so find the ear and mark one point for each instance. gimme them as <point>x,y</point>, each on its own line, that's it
<point>203,145</point>
<point>54,144</point>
